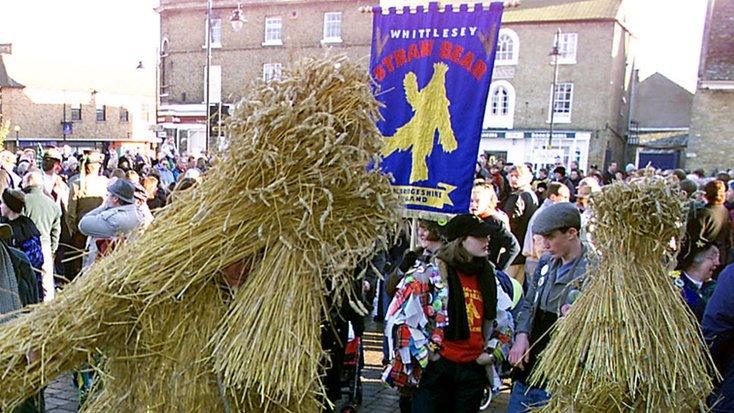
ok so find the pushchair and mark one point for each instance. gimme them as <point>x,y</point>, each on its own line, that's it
<point>514,292</point>
<point>351,372</point>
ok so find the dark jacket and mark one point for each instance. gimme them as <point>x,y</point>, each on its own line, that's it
<point>29,285</point>
<point>501,238</point>
<point>26,238</point>
<point>718,330</point>
<point>695,297</point>
<point>520,206</point>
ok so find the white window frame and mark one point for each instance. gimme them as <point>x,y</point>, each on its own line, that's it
<point>567,46</point>
<point>332,22</point>
<point>564,116</point>
<point>272,71</point>
<point>273,31</point>
<point>515,42</point>
<point>500,121</point>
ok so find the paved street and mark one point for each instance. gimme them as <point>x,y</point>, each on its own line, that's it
<point>61,397</point>
<point>379,398</point>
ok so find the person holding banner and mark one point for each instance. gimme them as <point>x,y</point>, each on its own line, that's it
<point>455,377</point>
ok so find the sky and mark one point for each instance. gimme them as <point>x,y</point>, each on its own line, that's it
<point>96,44</point>
<point>81,44</point>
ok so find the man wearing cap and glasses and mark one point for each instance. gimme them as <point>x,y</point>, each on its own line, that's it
<point>115,218</point>
<point>554,285</point>
<point>87,193</point>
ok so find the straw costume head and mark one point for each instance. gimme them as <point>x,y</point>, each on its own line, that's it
<point>292,201</point>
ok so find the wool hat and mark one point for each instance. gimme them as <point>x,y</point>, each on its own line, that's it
<point>466,225</point>
<point>14,199</point>
<point>557,216</point>
<point>123,189</point>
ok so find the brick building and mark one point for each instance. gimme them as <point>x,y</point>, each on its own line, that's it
<point>591,93</point>
<point>93,119</point>
<point>274,34</point>
<point>711,142</point>
<point>591,116</point>
<point>659,126</point>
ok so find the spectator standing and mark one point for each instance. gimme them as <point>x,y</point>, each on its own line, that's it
<point>519,207</point>
<point>167,178</point>
<point>610,173</point>
<point>112,221</point>
<point>46,215</point>
<point>710,223</point>
<point>25,236</point>
<point>455,378</point>
<point>7,164</point>
<point>718,330</point>
<point>86,194</point>
<point>533,245</point>
<point>560,271</point>
<point>503,246</point>
<point>695,281</point>
<point>559,175</point>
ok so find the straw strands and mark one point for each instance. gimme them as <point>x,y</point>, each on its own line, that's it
<point>629,343</point>
<point>292,200</point>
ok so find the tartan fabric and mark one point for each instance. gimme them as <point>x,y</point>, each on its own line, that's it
<point>416,316</point>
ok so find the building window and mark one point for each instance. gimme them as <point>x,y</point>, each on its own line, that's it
<point>76,112</point>
<point>216,32</point>
<point>332,27</point>
<point>101,113</point>
<point>567,48</point>
<point>508,48</point>
<point>271,71</point>
<point>273,31</point>
<point>124,116</point>
<point>562,101</point>
<point>500,110</point>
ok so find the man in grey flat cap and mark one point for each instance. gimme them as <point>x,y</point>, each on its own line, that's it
<point>553,288</point>
<point>113,220</point>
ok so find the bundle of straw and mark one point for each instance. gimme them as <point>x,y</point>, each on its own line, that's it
<point>293,200</point>
<point>629,343</point>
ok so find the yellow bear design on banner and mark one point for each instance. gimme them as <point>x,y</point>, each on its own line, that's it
<point>430,113</point>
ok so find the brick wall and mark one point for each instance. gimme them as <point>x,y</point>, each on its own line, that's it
<point>242,54</point>
<point>712,130</point>
<point>39,120</point>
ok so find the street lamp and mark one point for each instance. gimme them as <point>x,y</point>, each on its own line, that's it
<point>17,139</point>
<point>555,52</point>
<point>237,20</point>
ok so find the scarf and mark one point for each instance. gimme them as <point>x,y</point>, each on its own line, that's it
<point>458,327</point>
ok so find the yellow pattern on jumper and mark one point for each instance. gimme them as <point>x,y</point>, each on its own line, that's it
<point>430,113</point>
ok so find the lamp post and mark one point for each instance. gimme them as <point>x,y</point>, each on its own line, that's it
<point>555,52</point>
<point>237,21</point>
<point>17,138</point>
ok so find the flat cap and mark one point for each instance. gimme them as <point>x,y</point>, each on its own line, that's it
<point>557,216</point>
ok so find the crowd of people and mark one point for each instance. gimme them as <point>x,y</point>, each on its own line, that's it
<point>62,211</point>
<point>475,304</point>
<point>467,311</point>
